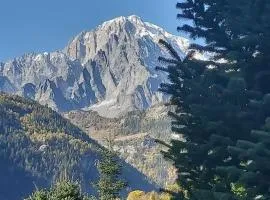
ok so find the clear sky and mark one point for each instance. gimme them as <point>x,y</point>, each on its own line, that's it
<point>47,25</point>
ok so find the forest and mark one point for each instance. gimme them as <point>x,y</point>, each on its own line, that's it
<point>38,145</point>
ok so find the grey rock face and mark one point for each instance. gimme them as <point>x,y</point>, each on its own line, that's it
<point>110,69</point>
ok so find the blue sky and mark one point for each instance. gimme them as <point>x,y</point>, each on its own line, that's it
<point>47,25</point>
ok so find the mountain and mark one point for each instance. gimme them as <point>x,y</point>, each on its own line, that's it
<point>38,145</point>
<point>134,136</point>
<point>110,69</point>
<point>105,82</point>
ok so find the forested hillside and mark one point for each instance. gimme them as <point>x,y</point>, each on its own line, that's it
<point>37,145</point>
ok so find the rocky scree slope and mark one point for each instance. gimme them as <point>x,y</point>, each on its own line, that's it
<point>133,137</point>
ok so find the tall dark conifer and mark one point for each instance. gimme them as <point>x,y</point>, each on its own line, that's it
<point>213,112</point>
<point>110,184</point>
<point>216,107</point>
<point>238,31</point>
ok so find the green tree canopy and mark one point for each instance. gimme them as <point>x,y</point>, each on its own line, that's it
<point>218,100</point>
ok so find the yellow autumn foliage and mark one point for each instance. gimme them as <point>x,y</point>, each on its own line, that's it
<point>140,195</point>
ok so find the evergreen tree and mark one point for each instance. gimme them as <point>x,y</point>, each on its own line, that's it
<point>212,113</point>
<point>62,190</point>
<point>215,106</point>
<point>238,31</point>
<point>39,195</point>
<point>109,184</point>
<point>66,190</point>
<point>254,172</point>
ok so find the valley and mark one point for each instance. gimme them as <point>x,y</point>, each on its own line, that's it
<point>104,82</point>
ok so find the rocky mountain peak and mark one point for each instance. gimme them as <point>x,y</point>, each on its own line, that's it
<point>110,69</point>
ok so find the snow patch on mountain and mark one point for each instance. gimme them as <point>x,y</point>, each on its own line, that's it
<point>110,69</point>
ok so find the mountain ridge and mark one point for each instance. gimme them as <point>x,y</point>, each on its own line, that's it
<point>110,68</point>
